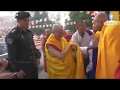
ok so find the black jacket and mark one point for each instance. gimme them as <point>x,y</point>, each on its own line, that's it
<point>21,47</point>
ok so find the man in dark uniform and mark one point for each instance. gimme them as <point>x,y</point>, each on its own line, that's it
<point>22,52</point>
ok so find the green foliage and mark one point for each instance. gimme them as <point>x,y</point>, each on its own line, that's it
<point>78,16</point>
<point>38,16</point>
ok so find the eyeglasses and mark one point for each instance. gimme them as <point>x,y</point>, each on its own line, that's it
<point>60,33</point>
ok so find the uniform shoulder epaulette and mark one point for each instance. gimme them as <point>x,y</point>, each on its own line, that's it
<point>29,30</point>
<point>13,30</point>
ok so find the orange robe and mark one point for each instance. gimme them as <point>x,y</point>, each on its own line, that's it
<point>108,50</point>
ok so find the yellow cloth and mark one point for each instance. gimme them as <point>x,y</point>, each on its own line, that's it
<point>96,38</point>
<point>66,68</point>
<point>97,34</point>
<point>108,50</point>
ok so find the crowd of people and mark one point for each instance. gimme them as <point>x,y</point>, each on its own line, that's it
<point>92,55</point>
<point>82,55</point>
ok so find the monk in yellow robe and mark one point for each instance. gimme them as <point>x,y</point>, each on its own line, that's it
<point>62,61</point>
<point>108,47</point>
<point>98,23</point>
<point>108,50</point>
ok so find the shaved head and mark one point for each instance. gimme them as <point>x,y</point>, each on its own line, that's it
<point>47,32</point>
<point>102,17</point>
<point>98,21</point>
<point>80,23</point>
<point>81,26</point>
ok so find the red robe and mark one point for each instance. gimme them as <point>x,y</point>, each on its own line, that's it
<point>117,73</point>
<point>68,37</point>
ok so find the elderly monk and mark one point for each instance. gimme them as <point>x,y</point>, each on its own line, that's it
<point>108,50</point>
<point>62,61</point>
<point>98,23</point>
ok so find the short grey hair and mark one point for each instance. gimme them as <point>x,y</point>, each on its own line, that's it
<point>55,27</point>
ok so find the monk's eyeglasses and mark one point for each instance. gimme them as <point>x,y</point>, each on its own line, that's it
<point>60,33</point>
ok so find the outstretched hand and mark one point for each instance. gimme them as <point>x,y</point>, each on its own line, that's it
<point>91,47</point>
<point>89,67</point>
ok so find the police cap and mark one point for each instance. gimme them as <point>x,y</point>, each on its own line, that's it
<point>22,15</point>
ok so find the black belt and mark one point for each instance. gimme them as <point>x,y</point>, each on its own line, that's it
<point>24,58</point>
<point>25,62</point>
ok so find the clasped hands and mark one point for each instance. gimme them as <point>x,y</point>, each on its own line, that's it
<point>72,45</point>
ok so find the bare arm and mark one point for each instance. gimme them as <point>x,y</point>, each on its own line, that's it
<point>57,53</point>
<point>95,39</point>
<point>6,75</point>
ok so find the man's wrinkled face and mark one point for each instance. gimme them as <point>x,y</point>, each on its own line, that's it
<point>96,25</point>
<point>24,22</point>
<point>59,33</point>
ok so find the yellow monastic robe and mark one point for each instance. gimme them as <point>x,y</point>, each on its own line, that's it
<point>97,34</point>
<point>108,50</point>
<point>70,67</point>
<point>96,38</point>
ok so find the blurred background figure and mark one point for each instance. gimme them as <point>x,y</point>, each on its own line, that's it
<point>67,35</point>
<point>44,39</point>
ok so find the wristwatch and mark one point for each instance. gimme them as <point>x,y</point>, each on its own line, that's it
<point>15,76</point>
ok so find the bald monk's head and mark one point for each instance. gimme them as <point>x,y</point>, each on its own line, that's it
<point>57,31</point>
<point>81,26</point>
<point>98,21</point>
<point>47,32</point>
